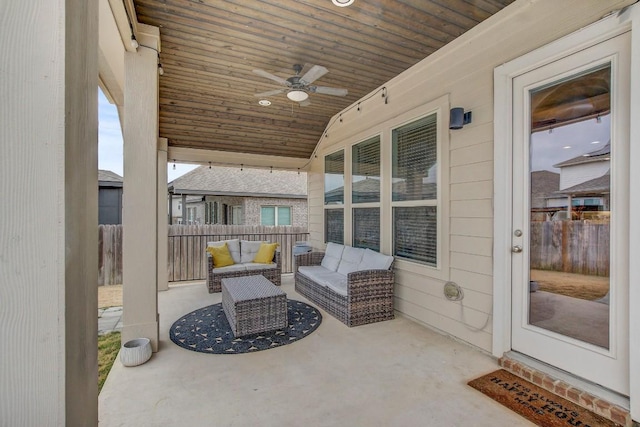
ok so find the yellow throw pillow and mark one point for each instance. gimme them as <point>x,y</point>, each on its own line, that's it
<point>265,253</point>
<point>221,255</point>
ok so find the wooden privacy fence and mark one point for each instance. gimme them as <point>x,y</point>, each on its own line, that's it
<point>187,244</point>
<point>109,254</point>
<point>570,246</point>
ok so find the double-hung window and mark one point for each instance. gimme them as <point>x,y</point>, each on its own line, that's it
<point>415,195</point>
<point>365,193</point>
<point>334,197</point>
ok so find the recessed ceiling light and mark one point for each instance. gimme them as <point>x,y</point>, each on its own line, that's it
<point>264,102</point>
<point>343,3</point>
<point>595,142</point>
<point>566,147</point>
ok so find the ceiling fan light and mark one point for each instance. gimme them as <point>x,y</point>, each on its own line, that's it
<point>342,3</point>
<point>297,95</point>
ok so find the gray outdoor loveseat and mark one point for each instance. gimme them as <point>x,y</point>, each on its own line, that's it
<point>354,285</point>
<point>243,252</point>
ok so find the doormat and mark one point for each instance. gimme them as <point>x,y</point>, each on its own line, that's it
<point>535,403</point>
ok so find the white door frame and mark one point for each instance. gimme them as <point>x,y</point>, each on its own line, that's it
<point>503,90</point>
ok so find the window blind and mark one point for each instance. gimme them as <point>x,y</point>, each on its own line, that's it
<point>284,215</point>
<point>366,171</point>
<point>334,225</point>
<point>414,166</point>
<point>366,228</point>
<point>334,178</point>
<point>267,215</point>
<point>415,231</point>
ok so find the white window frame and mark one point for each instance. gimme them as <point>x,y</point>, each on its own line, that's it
<point>364,205</point>
<point>441,268</point>
<point>232,210</point>
<point>277,216</point>
<point>347,189</point>
<point>440,106</point>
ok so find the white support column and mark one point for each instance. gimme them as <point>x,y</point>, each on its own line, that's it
<point>163,219</point>
<point>140,204</point>
<point>48,257</point>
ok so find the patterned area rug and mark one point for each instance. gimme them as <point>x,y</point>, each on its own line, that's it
<point>536,404</point>
<point>207,330</point>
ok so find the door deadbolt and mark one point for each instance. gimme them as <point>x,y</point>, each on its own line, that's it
<point>517,233</point>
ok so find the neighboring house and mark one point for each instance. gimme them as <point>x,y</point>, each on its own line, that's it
<point>109,197</point>
<point>242,196</point>
<point>544,184</point>
<point>584,182</point>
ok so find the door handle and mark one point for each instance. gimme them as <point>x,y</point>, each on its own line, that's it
<point>516,249</point>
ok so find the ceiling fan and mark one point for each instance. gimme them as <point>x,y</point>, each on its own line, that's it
<point>299,87</point>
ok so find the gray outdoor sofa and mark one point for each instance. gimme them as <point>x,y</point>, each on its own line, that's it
<point>353,285</point>
<point>243,253</point>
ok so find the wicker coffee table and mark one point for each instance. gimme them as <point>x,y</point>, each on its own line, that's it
<point>253,304</point>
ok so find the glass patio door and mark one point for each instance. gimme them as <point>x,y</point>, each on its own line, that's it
<point>570,214</point>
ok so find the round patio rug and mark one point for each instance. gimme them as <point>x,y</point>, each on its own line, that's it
<point>207,330</point>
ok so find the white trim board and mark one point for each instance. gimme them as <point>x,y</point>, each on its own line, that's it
<point>595,33</point>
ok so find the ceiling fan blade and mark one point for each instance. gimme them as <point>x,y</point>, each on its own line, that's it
<point>330,90</point>
<point>272,77</point>
<point>313,74</point>
<point>305,102</point>
<point>269,93</point>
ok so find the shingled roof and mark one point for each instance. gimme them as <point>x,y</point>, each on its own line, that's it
<point>109,179</point>
<point>543,185</point>
<point>600,185</point>
<point>105,175</point>
<point>228,181</point>
<point>598,155</point>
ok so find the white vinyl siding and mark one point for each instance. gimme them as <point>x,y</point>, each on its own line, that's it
<point>458,75</point>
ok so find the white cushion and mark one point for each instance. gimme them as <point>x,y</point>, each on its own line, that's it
<point>373,260</point>
<point>249,249</point>
<point>229,268</point>
<point>312,270</point>
<point>323,277</point>
<point>234,248</point>
<point>351,257</point>
<point>332,256</point>
<point>259,266</point>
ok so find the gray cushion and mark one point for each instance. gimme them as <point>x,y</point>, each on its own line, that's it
<point>230,268</point>
<point>257,266</point>
<point>351,257</point>
<point>332,256</point>
<point>234,248</point>
<point>335,281</point>
<point>249,249</point>
<point>373,260</point>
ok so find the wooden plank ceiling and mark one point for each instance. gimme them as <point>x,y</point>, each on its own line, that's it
<point>211,47</point>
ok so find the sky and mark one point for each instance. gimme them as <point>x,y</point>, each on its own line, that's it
<point>567,142</point>
<point>110,142</point>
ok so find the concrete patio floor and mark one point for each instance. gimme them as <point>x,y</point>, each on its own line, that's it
<point>394,373</point>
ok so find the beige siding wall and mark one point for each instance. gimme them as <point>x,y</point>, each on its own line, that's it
<point>462,75</point>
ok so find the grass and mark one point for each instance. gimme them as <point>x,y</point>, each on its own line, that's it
<point>109,344</point>
<point>108,347</point>
<point>573,285</point>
